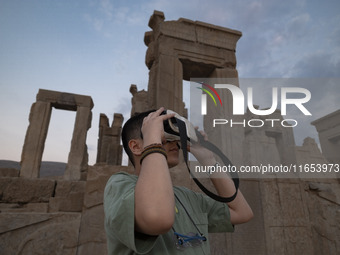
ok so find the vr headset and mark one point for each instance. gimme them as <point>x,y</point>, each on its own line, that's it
<point>171,129</point>
<point>179,128</point>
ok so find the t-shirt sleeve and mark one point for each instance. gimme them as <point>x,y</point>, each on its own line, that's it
<point>119,200</point>
<point>218,215</point>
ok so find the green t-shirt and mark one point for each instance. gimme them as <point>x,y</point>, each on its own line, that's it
<point>208,215</point>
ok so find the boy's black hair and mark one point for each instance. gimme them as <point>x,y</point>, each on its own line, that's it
<point>132,130</point>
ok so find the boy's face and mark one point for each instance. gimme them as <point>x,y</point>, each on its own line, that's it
<point>172,151</point>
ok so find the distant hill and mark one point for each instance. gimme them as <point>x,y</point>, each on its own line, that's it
<point>48,168</point>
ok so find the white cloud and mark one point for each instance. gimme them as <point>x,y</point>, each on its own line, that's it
<point>95,23</point>
<point>106,7</point>
<point>316,64</point>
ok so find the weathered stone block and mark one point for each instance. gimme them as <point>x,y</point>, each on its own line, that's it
<point>65,188</point>
<point>271,203</point>
<point>71,203</point>
<point>39,233</point>
<point>97,178</point>
<point>275,240</point>
<point>21,190</point>
<point>216,36</point>
<point>92,238</point>
<point>69,197</point>
<point>292,205</point>
<point>62,100</point>
<point>9,172</point>
<point>249,231</point>
<point>298,240</point>
<point>18,207</point>
<point>328,128</point>
<point>184,30</point>
<point>324,216</point>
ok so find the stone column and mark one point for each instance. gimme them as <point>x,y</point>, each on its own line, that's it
<point>33,148</point>
<point>168,79</point>
<point>102,144</point>
<point>115,150</point>
<point>77,159</point>
<point>228,139</point>
<point>109,148</point>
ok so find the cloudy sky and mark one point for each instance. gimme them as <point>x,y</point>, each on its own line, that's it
<point>95,47</point>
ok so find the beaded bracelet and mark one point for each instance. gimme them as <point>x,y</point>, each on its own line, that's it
<point>153,145</point>
<point>153,149</point>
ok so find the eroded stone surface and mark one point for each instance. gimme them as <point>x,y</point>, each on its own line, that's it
<point>9,172</point>
<point>39,120</point>
<point>92,238</point>
<point>68,197</point>
<point>328,128</point>
<point>39,233</point>
<point>109,148</point>
<point>22,190</point>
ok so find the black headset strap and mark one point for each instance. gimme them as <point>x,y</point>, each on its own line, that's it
<point>183,137</point>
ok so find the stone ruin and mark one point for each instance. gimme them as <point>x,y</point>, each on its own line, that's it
<point>329,135</point>
<point>40,116</point>
<point>54,215</point>
<point>109,149</point>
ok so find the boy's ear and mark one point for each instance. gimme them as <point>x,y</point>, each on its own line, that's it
<point>136,146</point>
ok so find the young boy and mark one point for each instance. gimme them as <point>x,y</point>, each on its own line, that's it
<point>146,214</point>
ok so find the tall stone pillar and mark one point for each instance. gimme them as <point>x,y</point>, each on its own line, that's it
<point>168,78</point>
<point>101,145</point>
<point>33,148</point>
<point>78,156</point>
<point>228,139</point>
<point>109,148</point>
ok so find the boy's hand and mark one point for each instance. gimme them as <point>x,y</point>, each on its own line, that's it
<point>152,128</point>
<point>203,155</point>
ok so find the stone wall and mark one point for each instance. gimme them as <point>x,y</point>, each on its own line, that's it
<point>40,216</point>
<point>328,128</point>
<point>54,216</point>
